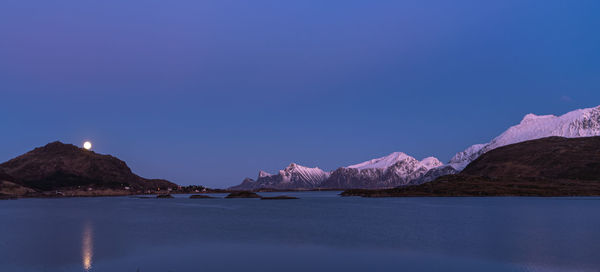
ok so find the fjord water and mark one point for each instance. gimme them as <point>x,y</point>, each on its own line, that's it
<point>319,232</point>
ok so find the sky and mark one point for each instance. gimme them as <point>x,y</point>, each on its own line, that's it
<point>210,92</point>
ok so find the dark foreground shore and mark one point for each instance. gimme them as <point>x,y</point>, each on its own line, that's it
<point>96,192</point>
<point>461,185</point>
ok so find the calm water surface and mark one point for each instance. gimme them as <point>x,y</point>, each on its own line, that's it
<point>320,232</point>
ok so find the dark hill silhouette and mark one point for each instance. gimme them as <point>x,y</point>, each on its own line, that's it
<point>59,166</point>
<point>550,158</point>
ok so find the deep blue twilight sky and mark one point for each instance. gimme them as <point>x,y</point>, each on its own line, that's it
<point>209,92</point>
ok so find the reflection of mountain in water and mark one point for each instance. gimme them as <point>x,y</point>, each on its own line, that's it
<point>87,246</point>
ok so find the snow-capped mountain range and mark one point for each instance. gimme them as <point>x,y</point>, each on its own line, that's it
<point>389,160</point>
<point>393,170</point>
<point>577,123</point>
<point>398,169</point>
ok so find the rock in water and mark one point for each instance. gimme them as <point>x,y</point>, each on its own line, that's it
<point>201,196</point>
<point>282,197</point>
<point>243,194</point>
<point>165,196</point>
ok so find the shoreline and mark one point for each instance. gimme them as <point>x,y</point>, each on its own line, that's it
<point>363,193</point>
<point>473,186</point>
<point>97,193</point>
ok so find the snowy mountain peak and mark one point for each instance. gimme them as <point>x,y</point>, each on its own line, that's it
<point>431,162</point>
<point>294,167</point>
<point>532,117</point>
<point>262,174</point>
<point>298,173</point>
<point>577,123</point>
<point>383,162</point>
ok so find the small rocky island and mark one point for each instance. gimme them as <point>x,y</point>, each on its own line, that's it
<point>282,197</point>
<point>248,194</point>
<point>201,197</point>
<point>243,194</point>
<point>165,196</point>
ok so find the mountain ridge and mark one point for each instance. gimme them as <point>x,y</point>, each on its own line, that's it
<point>59,166</point>
<point>395,169</point>
<point>400,169</point>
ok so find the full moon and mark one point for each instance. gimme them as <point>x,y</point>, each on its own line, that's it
<point>87,145</point>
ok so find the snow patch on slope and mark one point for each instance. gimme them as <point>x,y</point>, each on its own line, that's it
<point>309,175</point>
<point>431,162</point>
<point>263,174</point>
<point>381,163</point>
<point>463,158</point>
